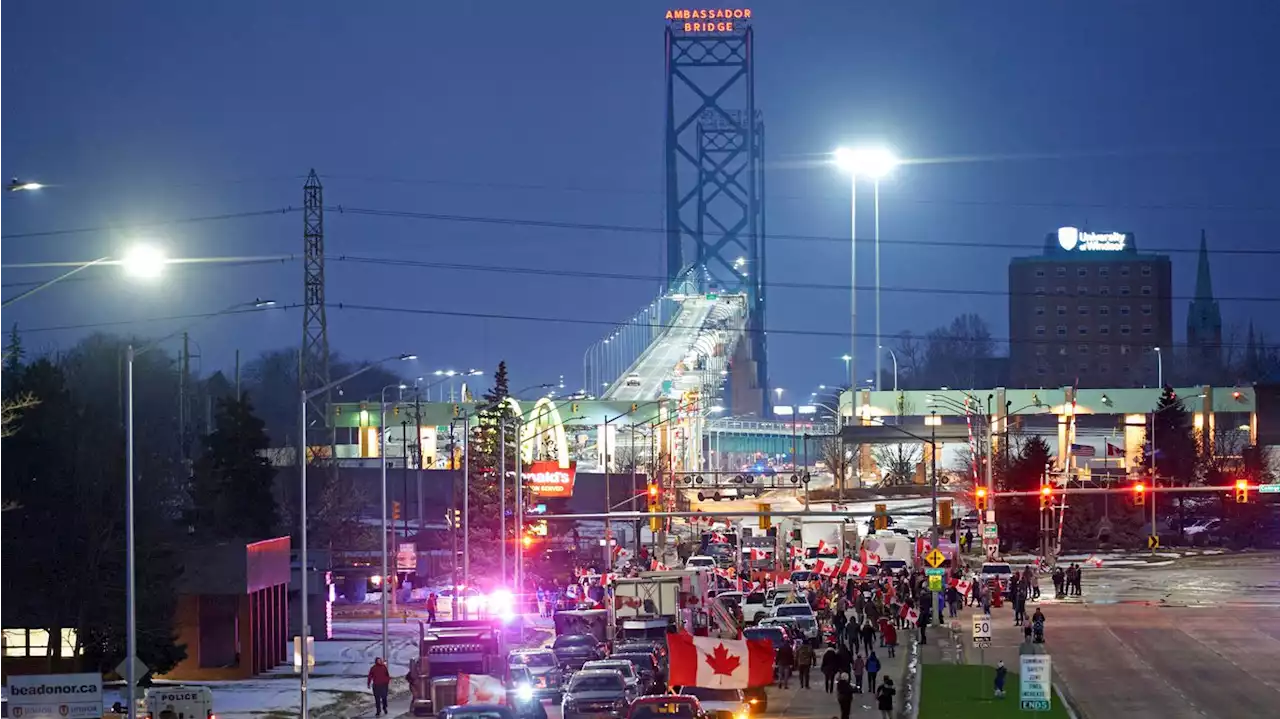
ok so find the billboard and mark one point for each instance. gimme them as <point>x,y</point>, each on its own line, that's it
<point>546,478</point>
<point>55,695</point>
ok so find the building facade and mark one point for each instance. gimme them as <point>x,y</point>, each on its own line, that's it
<point>1088,312</point>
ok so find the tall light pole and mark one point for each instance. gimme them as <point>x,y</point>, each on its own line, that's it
<point>386,527</point>
<point>848,369</point>
<point>1159,373</point>
<point>305,396</point>
<point>131,603</point>
<point>895,366</point>
<point>875,163</point>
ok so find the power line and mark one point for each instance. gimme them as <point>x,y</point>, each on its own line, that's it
<point>768,331</point>
<point>658,231</point>
<point>181,269</point>
<point>627,276</point>
<point>148,320</point>
<point>538,187</point>
<point>148,225</point>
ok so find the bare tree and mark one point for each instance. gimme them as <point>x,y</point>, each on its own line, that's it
<point>911,353</point>
<point>839,460</point>
<point>897,462</point>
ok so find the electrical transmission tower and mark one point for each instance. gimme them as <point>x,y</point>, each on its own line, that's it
<point>313,368</point>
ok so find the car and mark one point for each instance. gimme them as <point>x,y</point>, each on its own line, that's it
<point>573,650</point>
<point>776,635</point>
<point>781,594</point>
<point>789,625</point>
<point>996,570</point>
<point>632,380</point>
<point>544,666</point>
<point>656,647</point>
<point>753,608</point>
<point>472,602</point>
<point>477,711</point>
<point>651,675</point>
<point>628,670</point>
<point>700,561</point>
<point>595,693</point>
<point>521,694</point>
<point>719,703</point>
<point>668,706</point>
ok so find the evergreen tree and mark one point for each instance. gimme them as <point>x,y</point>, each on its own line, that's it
<point>484,487</point>
<point>1173,457</point>
<point>231,490</point>
<point>1025,472</point>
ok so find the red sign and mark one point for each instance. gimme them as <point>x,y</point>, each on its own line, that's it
<point>546,478</point>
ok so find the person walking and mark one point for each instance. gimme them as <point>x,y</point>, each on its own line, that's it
<point>785,661</point>
<point>873,668</point>
<point>804,663</point>
<point>432,602</point>
<point>379,680</point>
<point>868,633</point>
<point>830,662</point>
<point>884,698</point>
<point>844,695</point>
<point>859,665</point>
<point>1001,674</point>
<point>890,637</point>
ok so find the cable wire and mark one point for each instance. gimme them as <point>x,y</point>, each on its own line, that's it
<point>148,225</point>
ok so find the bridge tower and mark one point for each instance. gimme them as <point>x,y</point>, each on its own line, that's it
<point>715,176</point>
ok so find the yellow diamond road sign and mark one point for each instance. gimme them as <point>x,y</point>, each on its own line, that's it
<point>935,558</point>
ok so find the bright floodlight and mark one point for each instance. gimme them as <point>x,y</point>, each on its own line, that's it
<point>873,162</point>
<point>16,186</point>
<point>407,357</point>
<point>144,262</point>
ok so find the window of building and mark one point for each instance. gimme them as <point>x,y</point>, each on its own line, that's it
<point>1062,330</point>
<point>1082,310</point>
<point>1124,329</point>
<point>1124,349</point>
<point>1104,329</point>
<point>1146,290</point>
<point>1124,310</point>
<point>1104,368</point>
<point>1146,309</point>
<point>1082,330</point>
<point>1039,310</point>
<point>1082,291</point>
<point>1104,310</point>
<point>1104,291</point>
<point>1083,349</point>
<point>1060,271</point>
<point>1104,349</point>
<point>1039,272</point>
<point>1146,329</point>
<point>1062,350</point>
<point>1062,310</point>
<point>1124,270</point>
<point>1124,290</point>
<point>1104,271</point>
<point>1146,270</point>
<point>1041,350</point>
<point>1040,291</point>
<point>1082,272</point>
<point>1060,290</point>
<point>1040,329</point>
<point>36,643</point>
<point>1041,370</point>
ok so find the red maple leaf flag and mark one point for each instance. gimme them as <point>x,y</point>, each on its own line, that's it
<point>480,689</point>
<point>719,663</point>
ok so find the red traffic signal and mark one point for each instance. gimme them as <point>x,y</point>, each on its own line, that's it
<point>1139,494</point>
<point>1242,491</point>
<point>653,491</point>
<point>1046,496</point>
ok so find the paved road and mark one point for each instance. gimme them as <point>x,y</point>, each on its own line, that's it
<point>1146,660</point>
<point>659,360</point>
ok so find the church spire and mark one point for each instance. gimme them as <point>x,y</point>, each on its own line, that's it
<point>1204,282</point>
<point>1204,319</point>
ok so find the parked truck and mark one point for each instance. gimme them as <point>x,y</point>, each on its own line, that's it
<point>894,551</point>
<point>447,649</point>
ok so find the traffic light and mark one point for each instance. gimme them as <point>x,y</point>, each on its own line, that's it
<point>573,408</point>
<point>1046,497</point>
<point>635,406</point>
<point>527,541</point>
<point>944,513</point>
<point>655,524</point>
<point>766,521</point>
<point>1242,491</point>
<point>395,511</point>
<point>880,520</point>
<point>457,410</point>
<point>653,492</point>
<point>395,411</point>
<point>1139,494</point>
<point>980,499</point>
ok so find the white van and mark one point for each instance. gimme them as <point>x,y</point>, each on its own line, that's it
<point>179,702</point>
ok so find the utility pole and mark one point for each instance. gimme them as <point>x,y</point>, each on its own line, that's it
<point>237,375</point>
<point>453,513</point>
<point>183,375</point>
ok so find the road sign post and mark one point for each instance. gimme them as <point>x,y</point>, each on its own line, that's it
<point>981,631</point>
<point>1035,683</point>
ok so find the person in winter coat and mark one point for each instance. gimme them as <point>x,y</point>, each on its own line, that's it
<point>838,623</point>
<point>830,663</point>
<point>785,660</point>
<point>890,638</point>
<point>884,698</point>
<point>844,695</point>
<point>868,633</point>
<point>873,668</point>
<point>858,667</point>
<point>379,680</point>
<point>1001,675</point>
<point>852,635</point>
<point>804,663</point>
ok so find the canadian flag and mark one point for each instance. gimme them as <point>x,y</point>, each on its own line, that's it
<point>480,689</point>
<point>757,554</point>
<point>825,568</point>
<point>659,566</point>
<point>963,586</point>
<point>607,579</point>
<point>719,663</point>
<point>852,567</point>
<point>1094,560</point>
<point>795,551</point>
<point>872,558</point>
<point>912,616</point>
<point>826,549</point>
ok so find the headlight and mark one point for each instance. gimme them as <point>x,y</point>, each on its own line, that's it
<point>524,693</point>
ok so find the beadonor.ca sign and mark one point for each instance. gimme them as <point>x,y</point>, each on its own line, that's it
<point>546,478</point>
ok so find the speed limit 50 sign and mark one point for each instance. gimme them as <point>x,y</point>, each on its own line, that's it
<point>981,630</point>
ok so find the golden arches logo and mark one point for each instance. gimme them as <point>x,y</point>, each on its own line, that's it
<point>544,419</point>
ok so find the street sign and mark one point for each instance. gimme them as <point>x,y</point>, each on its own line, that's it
<point>1153,541</point>
<point>990,531</point>
<point>935,576</point>
<point>981,631</point>
<point>140,669</point>
<point>1269,488</point>
<point>1035,690</point>
<point>935,558</point>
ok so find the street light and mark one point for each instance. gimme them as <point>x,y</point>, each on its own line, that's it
<point>386,527</point>
<point>876,163</point>
<point>1159,371</point>
<point>141,262</point>
<point>848,372</point>
<point>895,366</point>
<point>131,604</point>
<point>306,396</point>
<point>15,185</point>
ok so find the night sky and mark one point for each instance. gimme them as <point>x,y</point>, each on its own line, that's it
<point>1154,117</point>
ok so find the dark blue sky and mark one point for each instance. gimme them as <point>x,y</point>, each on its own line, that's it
<point>1151,117</point>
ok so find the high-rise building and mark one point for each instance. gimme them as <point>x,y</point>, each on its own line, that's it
<point>1204,319</point>
<point>1088,312</point>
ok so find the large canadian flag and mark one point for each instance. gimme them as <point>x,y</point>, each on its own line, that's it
<point>719,663</point>
<point>480,689</point>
